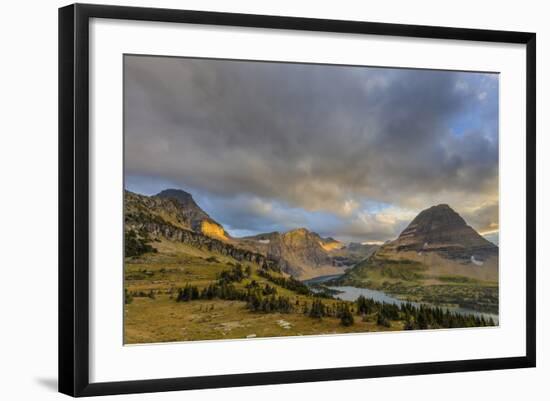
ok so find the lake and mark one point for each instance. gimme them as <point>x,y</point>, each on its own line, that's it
<point>348,293</point>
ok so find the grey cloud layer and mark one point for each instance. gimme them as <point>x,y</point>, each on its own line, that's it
<point>314,137</point>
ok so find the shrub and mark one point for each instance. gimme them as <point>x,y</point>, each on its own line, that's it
<point>345,315</point>
<point>128,298</point>
<point>317,310</point>
<point>188,293</point>
<point>272,304</point>
<point>289,283</point>
<point>135,245</point>
<point>236,274</point>
<point>382,321</point>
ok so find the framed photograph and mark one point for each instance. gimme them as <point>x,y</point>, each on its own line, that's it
<point>250,199</point>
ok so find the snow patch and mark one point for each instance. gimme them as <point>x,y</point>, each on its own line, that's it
<point>263,241</point>
<point>284,324</point>
<point>475,261</point>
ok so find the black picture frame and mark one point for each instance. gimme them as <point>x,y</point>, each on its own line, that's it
<point>74,200</point>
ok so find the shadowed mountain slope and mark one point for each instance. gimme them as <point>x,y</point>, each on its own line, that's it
<point>440,229</point>
<point>437,246</point>
<point>299,252</point>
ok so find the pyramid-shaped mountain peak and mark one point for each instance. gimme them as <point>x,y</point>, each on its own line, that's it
<point>440,228</point>
<point>438,217</point>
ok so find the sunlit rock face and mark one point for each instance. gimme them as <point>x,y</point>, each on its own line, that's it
<point>192,215</point>
<point>213,230</point>
<point>330,244</point>
<point>301,252</point>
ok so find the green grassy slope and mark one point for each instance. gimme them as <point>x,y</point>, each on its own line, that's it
<point>434,281</point>
<point>154,281</point>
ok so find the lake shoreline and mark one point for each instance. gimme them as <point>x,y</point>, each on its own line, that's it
<point>351,293</point>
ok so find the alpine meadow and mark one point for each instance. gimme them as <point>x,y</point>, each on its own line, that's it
<point>267,199</point>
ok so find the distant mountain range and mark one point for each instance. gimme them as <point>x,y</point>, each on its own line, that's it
<point>438,241</point>
<point>300,252</point>
<point>305,254</point>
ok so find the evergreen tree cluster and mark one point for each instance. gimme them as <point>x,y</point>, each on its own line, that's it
<point>417,317</point>
<point>130,295</point>
<point>343,312</point>
<point>266,289</point>
<point>366,306</point>
<point>382,320</point>
<point>128,298</point>
<point>135,245</point>
<point>188,293</point>
<point>218,289</point>
<point>289,283</point>
<point>223,290</point>
<point>317,309</point>
<point>270,304</point>
<point>264,298</point>
<point>426,317</point>
<point>271,265</point>
<point>236,274</point>
<point>257,298</point>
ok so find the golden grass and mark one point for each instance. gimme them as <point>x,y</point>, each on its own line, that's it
<point>162,319</point>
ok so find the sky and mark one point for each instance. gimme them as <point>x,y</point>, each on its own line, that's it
<point>350,152</point>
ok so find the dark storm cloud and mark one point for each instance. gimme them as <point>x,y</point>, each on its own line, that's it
<point>313,138</point>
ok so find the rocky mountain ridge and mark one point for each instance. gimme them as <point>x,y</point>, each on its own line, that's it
<point>194,217</point>
<point>174,215</point>
<point>301,252</point>
<point>151,224</point>
<point>437,236</point>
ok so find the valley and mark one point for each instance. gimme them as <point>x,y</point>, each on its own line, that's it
<point>187,279</point>
<point>432,261</point>
<point>153,314</point>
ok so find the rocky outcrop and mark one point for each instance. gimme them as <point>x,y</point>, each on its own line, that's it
<point>156,227</point>
<point>174,215</point>
<point>353,253</point>
<point>300,252</point>
<point>178,208</point>
<point>198,220</point>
